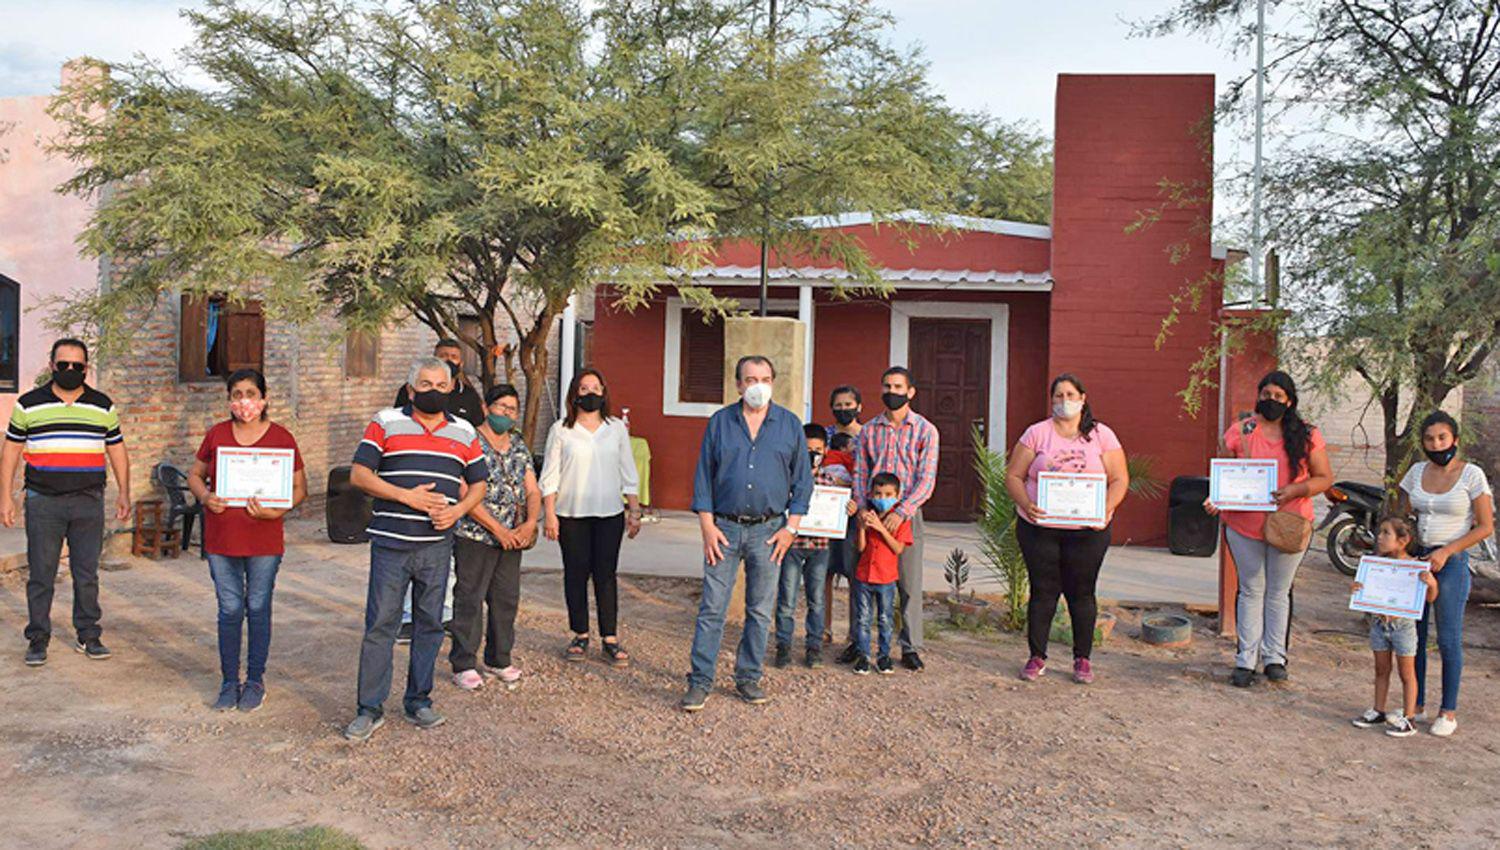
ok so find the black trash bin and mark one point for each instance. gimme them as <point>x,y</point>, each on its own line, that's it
<point>348,508</point>
<point>1190,529</point>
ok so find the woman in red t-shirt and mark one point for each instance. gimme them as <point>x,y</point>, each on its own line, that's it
<point>243,544</point>
<point>1263,605</point>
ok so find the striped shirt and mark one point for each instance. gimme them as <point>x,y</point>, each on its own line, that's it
<point>404,453</point>
<point>909,451</point>
<point>64,443</point>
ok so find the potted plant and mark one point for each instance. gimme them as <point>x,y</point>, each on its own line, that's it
<point>961,607</point>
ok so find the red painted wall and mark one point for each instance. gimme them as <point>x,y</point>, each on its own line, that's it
<point>953,250</point>
<point>1117,138</point>
<point>1254,356</point>
<point>851,346</point>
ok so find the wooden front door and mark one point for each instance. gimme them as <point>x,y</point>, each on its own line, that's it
<point>950,364</point>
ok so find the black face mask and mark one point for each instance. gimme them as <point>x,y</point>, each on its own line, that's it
<point>453,369</point>
<point>845,415</point>
<point>430,401</point>
<point>894,401</point>
<point>68,379</point>
<point>1270,409</point>
<point>1442,458</point>
<point>815,458</point>
<point>590,402</point>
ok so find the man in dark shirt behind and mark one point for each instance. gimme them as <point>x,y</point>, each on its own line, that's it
<point>751,490</point>
<point>463,401</point>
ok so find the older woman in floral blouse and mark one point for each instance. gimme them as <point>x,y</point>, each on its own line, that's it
<point>488,545</point>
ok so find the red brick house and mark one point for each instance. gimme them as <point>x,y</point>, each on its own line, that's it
<point>983,311</point>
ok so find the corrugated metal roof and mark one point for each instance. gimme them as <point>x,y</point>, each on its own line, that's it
<point>932,278</point>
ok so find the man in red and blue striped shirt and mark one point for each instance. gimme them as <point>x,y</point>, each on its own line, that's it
<point>424,469</point>
<point>905,444</point>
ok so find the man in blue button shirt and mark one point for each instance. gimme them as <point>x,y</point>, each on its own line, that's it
<point>751,491</point>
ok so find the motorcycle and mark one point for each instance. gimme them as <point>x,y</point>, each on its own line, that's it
<point>1351,522</point>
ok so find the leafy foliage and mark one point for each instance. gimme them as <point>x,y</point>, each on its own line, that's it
<point>1386,205</point>
<point>997,532</point>
<point>492,158</point>
<point>956,571</point>
<point>1144,482</point>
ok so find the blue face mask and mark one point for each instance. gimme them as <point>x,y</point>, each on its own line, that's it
<point>883,503</point>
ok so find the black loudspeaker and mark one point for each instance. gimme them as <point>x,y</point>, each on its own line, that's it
<point>348,508</point>
<point>1188,490</point>
<point>1191,531</point>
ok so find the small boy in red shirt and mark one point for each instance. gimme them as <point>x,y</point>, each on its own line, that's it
<point>875,576</point>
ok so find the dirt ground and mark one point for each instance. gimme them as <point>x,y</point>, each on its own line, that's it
<point>1159,751</point>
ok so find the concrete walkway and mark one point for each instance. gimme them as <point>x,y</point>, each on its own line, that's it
<point>672,547</point>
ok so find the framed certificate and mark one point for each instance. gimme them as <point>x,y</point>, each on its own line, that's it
<point>1236,484</point>
<point>1390,586</point>
<point>827,513</point>
<point>264,474</point>
<point>1071,498</point>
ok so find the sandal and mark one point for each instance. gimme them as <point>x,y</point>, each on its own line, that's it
<point>576,649</point>
<point>616,654</point>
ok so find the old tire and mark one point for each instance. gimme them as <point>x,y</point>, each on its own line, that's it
<point>1166,629</point>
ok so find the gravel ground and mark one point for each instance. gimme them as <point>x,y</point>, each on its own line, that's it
<point>1159,751</point>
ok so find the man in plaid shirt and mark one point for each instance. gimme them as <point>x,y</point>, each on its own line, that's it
<point>904,443</point>
<point>806,563</point>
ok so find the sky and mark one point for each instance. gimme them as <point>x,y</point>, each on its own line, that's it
<point>997,56</point>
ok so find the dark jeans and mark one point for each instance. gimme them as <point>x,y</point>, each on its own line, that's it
<point>802,568</point>
<point>881,598</point>
<point>487,575</point>
<point>244,586</point>
<point>1454,583</point>
<point>1061,562</point>
<point>591,550</point>
<point>79,519</point>
<point>425,570</point>
<point>746,543</point>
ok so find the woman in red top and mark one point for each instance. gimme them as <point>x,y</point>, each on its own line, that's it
<point>244,545</point>
<point>1263,606</point>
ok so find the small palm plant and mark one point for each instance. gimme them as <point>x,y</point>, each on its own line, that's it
<point>997,532</point>
<point>956,571</point>
<point>1143,480</point>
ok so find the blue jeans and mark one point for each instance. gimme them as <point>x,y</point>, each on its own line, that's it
<point>243,586</point>
<point>881,597</point>
<point>747,543</point>
<point>425,570</point>
<point>1453,592</point>
<point>806,567</point>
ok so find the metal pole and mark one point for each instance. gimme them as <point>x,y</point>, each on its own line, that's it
<point>1258,293</point>
<point>765,232</point>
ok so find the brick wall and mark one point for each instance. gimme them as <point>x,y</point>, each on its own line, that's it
<point>164,419</point>
<point>1117,138</point>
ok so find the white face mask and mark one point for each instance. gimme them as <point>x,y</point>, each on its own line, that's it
<point>1067,409</point>
<point>758,395</point>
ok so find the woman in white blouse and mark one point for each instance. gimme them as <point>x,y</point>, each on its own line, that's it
<point>1455,510</point>
<point>588,468</point>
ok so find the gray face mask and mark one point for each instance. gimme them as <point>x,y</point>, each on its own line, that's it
<point>1067,409</point>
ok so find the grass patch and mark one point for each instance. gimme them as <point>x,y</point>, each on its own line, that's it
<point>311,838</point>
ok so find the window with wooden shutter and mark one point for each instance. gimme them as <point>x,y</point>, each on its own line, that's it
<point>701,363</point>
<point>702,360</point>
<point>216,337</point>
<point>362,354</point>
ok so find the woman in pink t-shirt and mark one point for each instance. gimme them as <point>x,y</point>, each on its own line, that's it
<point>1263,606</point>
<point>1064,560</point>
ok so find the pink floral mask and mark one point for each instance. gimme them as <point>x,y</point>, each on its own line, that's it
<point>247,409</point>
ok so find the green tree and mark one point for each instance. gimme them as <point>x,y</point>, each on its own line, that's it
<point>1385,206</point>
<point>491,158</point>
<point>1005,171</point>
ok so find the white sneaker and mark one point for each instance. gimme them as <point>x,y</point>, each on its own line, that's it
<point>1444,726</point>
<point>1371,718</point>
<point>469,680</point>
<point>1419,717</point>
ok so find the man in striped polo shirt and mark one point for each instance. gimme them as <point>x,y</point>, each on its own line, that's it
<point>424,469</point>
<point>65,430</point>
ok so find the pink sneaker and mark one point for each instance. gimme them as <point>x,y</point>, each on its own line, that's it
<point>510,675</point>
<point>1083,671</point>
<point>469,680</point>
<point>1034,669</point>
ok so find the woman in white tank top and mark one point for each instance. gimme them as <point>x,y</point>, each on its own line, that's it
<point>1455,510</point>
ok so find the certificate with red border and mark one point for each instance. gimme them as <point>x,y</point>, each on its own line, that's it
<point>1242,484</point>
<point>1390,586</point>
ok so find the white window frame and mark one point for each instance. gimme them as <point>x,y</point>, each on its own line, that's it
<point>671,371</point>
<point>902,312</point>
